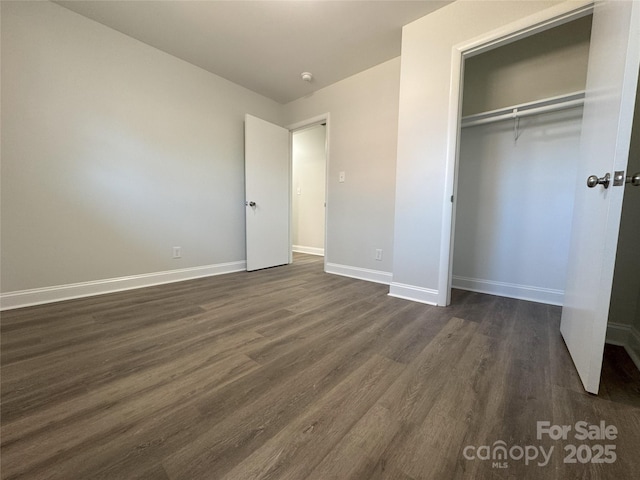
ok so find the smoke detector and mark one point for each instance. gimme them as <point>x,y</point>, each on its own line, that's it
<point>307,77</point>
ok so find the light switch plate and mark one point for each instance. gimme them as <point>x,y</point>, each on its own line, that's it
<point>341,177</point>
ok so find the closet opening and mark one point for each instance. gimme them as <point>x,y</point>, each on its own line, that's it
<point>516,175</point>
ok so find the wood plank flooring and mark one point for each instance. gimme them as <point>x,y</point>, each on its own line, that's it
<point>291,373</point>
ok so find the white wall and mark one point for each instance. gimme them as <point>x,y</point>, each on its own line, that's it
<point>362,142</point>
<point>112,153</point>
<point>515,205</point>
<point>550,63</point>
<point>421,175</point>
<point>309,182</point>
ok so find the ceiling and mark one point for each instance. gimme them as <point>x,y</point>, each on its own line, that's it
<point>266,45</point>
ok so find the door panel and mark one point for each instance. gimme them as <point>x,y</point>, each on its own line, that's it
<point>267,193</point>
<point>612,77</point>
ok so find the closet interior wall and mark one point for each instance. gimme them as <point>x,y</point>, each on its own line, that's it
<point>517,176</point>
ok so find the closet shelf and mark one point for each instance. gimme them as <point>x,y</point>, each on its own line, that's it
<point>561,102</point>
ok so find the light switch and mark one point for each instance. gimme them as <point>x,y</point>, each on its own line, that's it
<point>298,191</point>
<point>341,177</point>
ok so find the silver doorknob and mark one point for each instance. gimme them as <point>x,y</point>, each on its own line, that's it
<point>593,180</point>
<point>634,179</point>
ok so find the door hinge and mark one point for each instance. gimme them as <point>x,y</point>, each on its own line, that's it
<point>451,198</point>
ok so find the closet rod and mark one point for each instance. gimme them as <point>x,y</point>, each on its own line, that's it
<point>525,109</point>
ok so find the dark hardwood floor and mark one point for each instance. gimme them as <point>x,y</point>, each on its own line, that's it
<point>291,373</point>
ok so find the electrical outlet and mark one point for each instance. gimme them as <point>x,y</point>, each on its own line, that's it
<point>378,254</point>
<point>177,252</point>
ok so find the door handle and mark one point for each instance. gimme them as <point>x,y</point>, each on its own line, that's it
<point>250,204</point>
<point>593,180</point>
<point>634,179</point>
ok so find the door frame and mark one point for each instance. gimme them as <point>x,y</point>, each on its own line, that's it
<point>531,25</point>
<point>303,125</point>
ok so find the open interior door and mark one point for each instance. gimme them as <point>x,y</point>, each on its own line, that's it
<point>267,187</point>
<point>612,80</point>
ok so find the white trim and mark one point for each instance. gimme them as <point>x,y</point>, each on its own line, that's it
<point>413,293</point>
<point>309,122</point>
<point>511,290</point>
<point>618,334</point>
<point>308,250</point>
<point>529,26</point>
<point>524,27</point>
<point>38,296</point>
<point>375,276</point>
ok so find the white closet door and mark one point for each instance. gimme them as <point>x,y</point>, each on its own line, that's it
<point>612,77</point>
<point>267,193</point>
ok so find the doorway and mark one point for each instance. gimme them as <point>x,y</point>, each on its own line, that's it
<point>269,191</point>
<point>309,167</point>
<point>604,146</point>
<point>517,164</point>
<point>308,153</point>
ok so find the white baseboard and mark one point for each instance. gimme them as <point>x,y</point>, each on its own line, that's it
<point>37,296</point>
<point>633,346</point>
<point>511,290</point>
<point>413,293</point>
<point>618,334</point>
<point>375,276</point>
<point>308,250</point>
<point>625,336</point>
